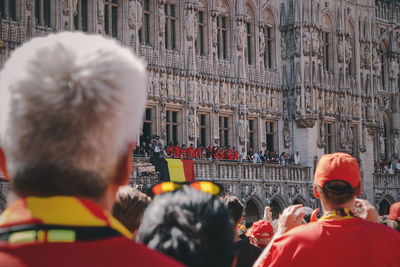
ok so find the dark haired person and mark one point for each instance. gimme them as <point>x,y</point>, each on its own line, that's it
<point>129,207</point>
<point>338,238</point>
<point>246,253</point>
<point>190,226</point>
<point>71,106</point>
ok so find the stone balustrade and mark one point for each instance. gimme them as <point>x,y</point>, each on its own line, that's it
<point>388,181</point>
<point>228,171</point>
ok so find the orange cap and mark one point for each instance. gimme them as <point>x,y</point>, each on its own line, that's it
<point>394,213</point>
<point>337,166</point>
<point>261,229</point>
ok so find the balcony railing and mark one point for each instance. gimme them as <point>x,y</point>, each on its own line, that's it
<point>228,171</point>
<point>386,180</point>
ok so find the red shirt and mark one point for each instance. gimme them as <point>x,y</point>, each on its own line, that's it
<point>235,155</point>
<point>190,152</point>
<point>199,153</point>
<point>183,152</point>
<point>177,152</point>
<point>352,242</point>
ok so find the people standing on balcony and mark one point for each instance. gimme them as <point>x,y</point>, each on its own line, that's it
<point>282,159</point>
<point>297,158</point>
<point>256,158</point>
<point>199,152</point>
<point>190,153</point>
<point>182,152</point>
<point>235,154</point>
<point>158,150</point>
<point>176,151</point>
<point>243,155</point>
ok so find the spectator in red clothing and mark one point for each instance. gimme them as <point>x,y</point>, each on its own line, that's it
<point>199,152</point>
<point>217,153</point>
<point>176,150</point>
<point>182,152</point>
<point>347,233</point>
<point>235,154</point>
<point>190,153</point>
<point>228,153</point>
<point>73,111</point>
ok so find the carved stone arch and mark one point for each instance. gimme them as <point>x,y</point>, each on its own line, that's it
<point>269,15</point>
<point>251,7</point>
<point>253,210</point>
<point>384,204</point>
<point>327,19</point>
<point>299,200</point>
<point>277,205</point>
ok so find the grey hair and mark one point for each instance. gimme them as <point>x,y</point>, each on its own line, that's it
<point>70,106</point>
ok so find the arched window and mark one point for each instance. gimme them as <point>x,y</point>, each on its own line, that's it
<point>171,23</point>
<point>201,41</point>
<point>111,17</point>
<point>250,29</point>
<point>327,51</point>
<point>252,213</point>
<point>147,27</point>
<point>384,66</point>
<point>43,12</point>
<point>81,16</point>
<point>8,9</point>
<point>269,35</point>
<point>222,30</point>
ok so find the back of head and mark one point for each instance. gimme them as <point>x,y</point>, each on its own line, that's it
<point>189,225</point>
<point>130,206</point>
<point>235,207</point>
<point>337,178</point>
<point>70,106</point>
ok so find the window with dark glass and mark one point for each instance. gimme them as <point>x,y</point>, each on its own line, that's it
<point>222,37</point>
<point>8,9</point>
<point>170,27</point>
<point>111,17</point>
<point>268,53</point>
<point>329,138</point>
<point>201,39</point>
<point>270,130</point>
<point>252,135</point>
<point>325,51</point>
<point>250,43</point>
<point>203,129</point>
<point>43,12</point>
<point>144,32</point>
<point>224,131</point>
<point>81,17</point>
<point>172,126</point>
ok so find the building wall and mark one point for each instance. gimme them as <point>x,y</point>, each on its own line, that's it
<point>307,82</point>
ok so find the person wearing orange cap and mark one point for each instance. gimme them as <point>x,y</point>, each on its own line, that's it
<point>393,219</point>
<point>343,236</point>
<point>260,233</point>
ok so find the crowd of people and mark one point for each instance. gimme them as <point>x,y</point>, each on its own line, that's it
<point>387,166</point>
<point>71,106</point>
<point>153,148</point>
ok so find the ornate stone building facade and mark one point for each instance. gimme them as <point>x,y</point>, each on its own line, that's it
<point>313,76</point>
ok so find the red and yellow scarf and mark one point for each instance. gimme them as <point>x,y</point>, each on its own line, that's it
<point>58,211</point>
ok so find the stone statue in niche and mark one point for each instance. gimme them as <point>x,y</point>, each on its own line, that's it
<point>320,101</point>
<point>308,99</point>
<point>297,44</point>
<point>150,84</point>
<point>306,42</point>
<point>283,46</point>
<point>29,5</point>
<point>191,31</point>
<point>298,101</point>
<point>382,143</point>
<point>170,86</point>
<point>343,135</point>
<point>163,122</point>
<point>367,59</point>
<point>241,36</point>
<point>163,87</point>
<point>396,144</point>
<point>241,128</point>
<point>223,94</point>
<point>156,85</point>
<point>315,42</point>
<point>191,89</point>
<point>394,73</point>
<point>177,88</point>
<point>341,50</point>
<point>349,135</point>
<point>262,43</point>
<point>348,51</point>
<point>216,93</point>
<point>100,11</point>
<point>135,14</point>
<point>286,134</point>
<point>162,16</point>
<point>191,123</point>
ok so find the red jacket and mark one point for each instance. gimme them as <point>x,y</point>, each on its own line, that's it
<point>235,155</point>
<point>199,153</point>
<point>177,152</point>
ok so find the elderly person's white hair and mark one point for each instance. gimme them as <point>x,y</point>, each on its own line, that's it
<point>70,106</point>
